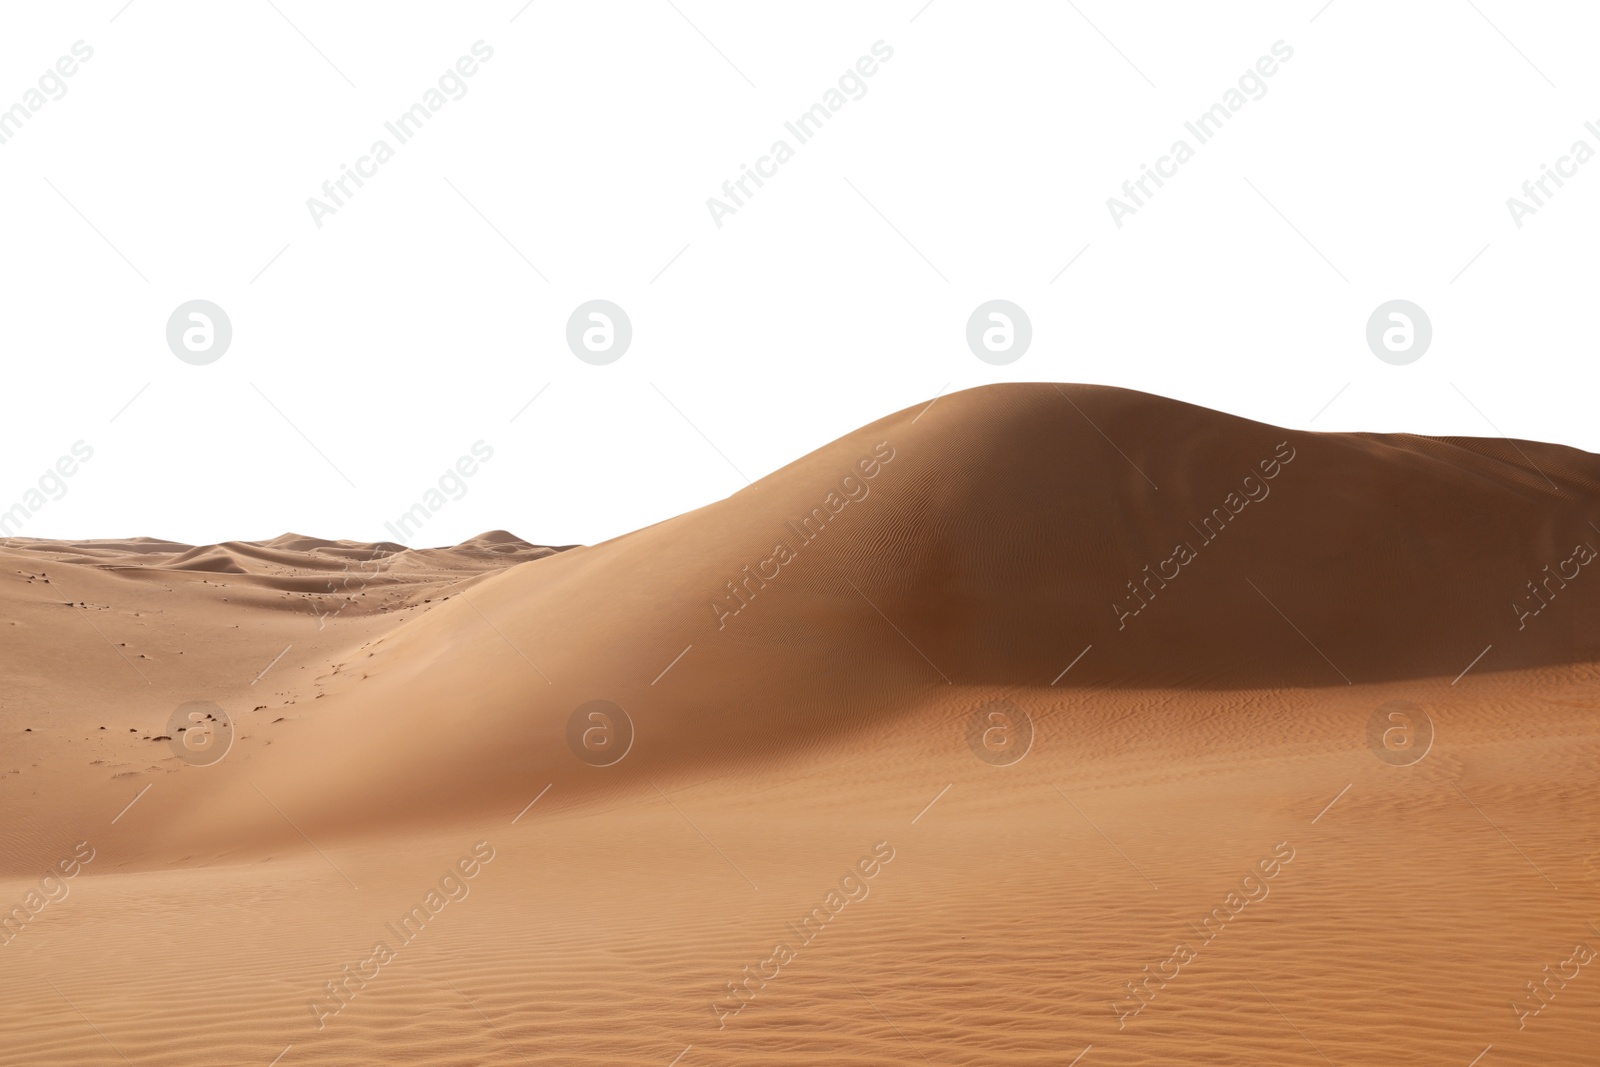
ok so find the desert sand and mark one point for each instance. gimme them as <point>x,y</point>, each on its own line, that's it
<point>1036,725</point>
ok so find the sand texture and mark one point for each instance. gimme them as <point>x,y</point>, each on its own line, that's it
<point>1042,722</point>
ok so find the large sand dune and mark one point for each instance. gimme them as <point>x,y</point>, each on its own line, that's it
<point>1035,720</point>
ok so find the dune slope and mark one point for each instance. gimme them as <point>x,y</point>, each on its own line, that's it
<point>985,542</point>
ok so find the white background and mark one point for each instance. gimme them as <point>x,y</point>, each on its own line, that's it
<point>1377,166</point>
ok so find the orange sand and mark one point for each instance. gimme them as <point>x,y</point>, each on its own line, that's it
<point>813,851</point>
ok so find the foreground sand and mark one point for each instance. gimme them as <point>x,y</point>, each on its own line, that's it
<point>1201,810</point>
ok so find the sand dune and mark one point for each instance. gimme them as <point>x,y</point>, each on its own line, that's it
<point>1067,667</point>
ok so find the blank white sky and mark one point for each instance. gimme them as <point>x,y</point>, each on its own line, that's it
<point>416,322</point>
